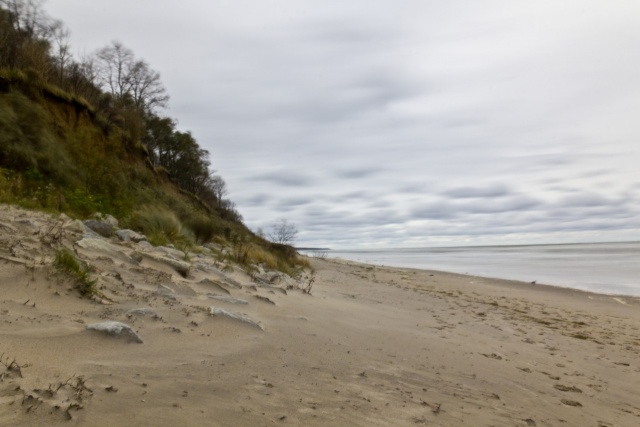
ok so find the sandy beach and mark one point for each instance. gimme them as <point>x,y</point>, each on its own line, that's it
<point>371,346</point>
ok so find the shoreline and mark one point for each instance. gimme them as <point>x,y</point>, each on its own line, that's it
<point>513,282</point>
<point>604,268</point>
<point>534,292</point>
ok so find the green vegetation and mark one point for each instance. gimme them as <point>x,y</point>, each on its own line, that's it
<point>78,137</point>
<point>160,225</point>
<point>67,263</point>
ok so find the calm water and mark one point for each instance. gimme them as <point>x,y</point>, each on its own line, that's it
<point>611,268</point>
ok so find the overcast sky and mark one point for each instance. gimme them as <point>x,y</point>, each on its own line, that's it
<point>402,123</point>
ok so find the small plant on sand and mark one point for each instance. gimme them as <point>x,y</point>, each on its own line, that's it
<point>11,366</point>
<point>321,254</point>
<point>309,284</point>
<point>305,281</point>
<point>66,262</point>
<point>52,235</point>
<point>76,383</point>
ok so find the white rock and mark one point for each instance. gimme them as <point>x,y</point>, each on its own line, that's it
<point>145,246</point>
<point>116,329</point>
<point>75,226</point>
<point>129,235</point>
<point>111,220</point>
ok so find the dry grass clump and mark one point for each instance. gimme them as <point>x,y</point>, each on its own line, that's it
<point>259,256</point>
<point>66,262</point>
<point>160,225</point>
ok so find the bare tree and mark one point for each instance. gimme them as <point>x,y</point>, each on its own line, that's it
<point>147,90</point>
<point>113,63</point>
<point>130,79</point>
<point>218,187</point>
<point>28,16</point>
<point>25,35</point>
<point>62,49</point>
<point>283,232</point>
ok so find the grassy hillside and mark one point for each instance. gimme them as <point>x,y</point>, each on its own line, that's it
<point>58,154</point>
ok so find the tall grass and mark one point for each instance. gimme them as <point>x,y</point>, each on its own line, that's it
<point>160,225</point>
<point>203,228</point>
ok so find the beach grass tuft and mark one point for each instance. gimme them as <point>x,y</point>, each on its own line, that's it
<point>160,225</point>
<point>67,263</point>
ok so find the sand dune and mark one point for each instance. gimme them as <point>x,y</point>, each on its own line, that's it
<point>372,346</point>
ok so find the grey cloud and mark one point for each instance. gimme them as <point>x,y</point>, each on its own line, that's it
<point>341,35</point>
<point>452,209</point>
<point>291,202</point>
<point>257,200</point>
<point>380,203</point>
<point>284,178</point>
<point>415,188</point>
<point>514,204</point>
<point>358,173</point>
<point>351,196</point>
<point>435,211</point>
<point>497,190</point>
<point>584,199</point>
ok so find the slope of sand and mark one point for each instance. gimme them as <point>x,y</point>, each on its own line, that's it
<point>372,346</point>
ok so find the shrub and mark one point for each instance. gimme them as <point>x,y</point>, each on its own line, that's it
<point>203,228</point>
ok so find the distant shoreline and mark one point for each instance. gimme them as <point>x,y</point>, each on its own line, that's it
<point>601,268</point>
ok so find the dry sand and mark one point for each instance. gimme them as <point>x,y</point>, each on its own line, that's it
<point>372,346</point>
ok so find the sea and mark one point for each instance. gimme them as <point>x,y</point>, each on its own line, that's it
<point>607,268</point>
